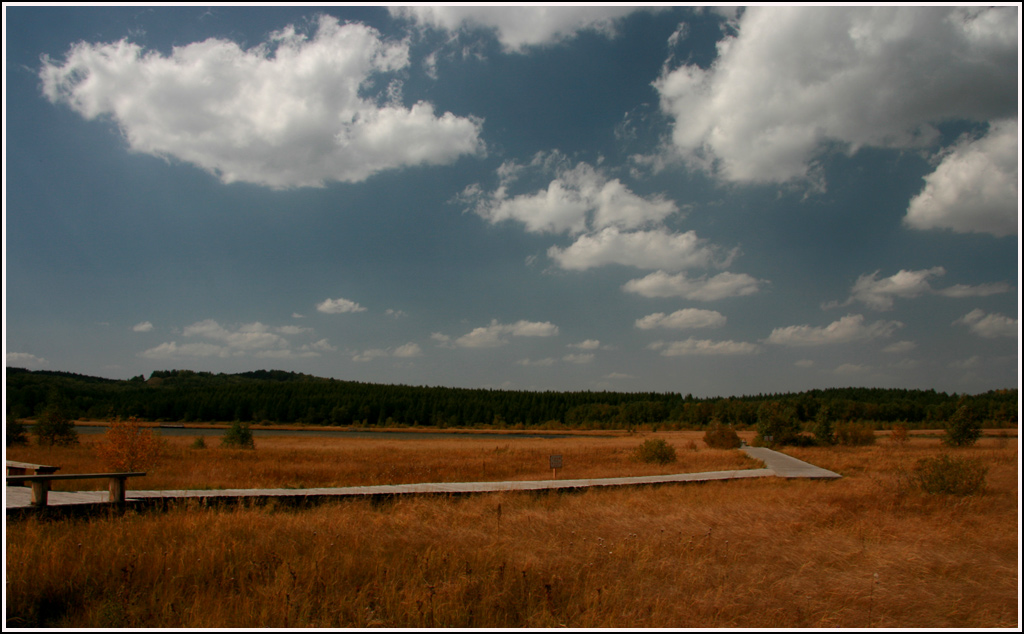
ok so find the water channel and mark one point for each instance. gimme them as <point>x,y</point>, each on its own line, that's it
<point>333,433</point>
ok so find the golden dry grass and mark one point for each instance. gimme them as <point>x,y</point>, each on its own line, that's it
<point>304,462</point>
<point>868,550</point>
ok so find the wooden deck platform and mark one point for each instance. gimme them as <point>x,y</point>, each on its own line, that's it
<point>776,465</point>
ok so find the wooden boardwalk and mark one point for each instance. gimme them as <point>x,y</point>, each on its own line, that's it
<point>776,465</point>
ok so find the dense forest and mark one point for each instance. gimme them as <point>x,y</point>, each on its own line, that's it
<point>274,396</point>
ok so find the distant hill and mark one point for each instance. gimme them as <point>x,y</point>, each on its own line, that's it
<point>288,397</point>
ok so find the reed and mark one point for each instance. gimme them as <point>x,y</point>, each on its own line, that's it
<point>862,551</point>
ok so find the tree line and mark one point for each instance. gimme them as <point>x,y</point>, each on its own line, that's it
<point>275,396</point>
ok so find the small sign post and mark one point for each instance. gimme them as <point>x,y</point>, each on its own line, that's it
<point>556,463</point>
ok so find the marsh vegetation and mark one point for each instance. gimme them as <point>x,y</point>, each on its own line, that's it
<point>872,549</point>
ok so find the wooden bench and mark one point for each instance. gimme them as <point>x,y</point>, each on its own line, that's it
<point>40,483</point>
<point>27,468</point>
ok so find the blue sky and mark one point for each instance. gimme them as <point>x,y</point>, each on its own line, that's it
<point>705,201</point>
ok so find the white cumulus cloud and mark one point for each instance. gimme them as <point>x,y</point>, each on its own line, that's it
<point>339,305</point>
<point>518,27</point>
<point>578,199</point>
<point>497,334</point>
<point>849,329</point>
<point>654,249</point>
<point>291,112</point>
<point>720,286</point>
<point>682,319</point>
<point>797,79</point>
<point>989,326</point>
<point>974,188</point>
<point>254,339</point>
<point>144,326</point>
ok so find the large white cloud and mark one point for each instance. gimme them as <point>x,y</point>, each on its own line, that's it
<point>849,329</point>
<point>720,286</point>
<point>286,113</point>
<point>989,326</point>
<point>796,79</point>
<point>518,27</point>
<point>682,319</point>
<point>974,188</point>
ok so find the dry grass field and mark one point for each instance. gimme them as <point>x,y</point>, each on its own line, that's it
<point>868,550</point>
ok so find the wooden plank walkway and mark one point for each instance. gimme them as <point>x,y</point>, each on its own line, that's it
<point>776,465</point>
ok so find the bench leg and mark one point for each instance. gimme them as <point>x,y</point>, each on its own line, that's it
<point>116,487</point>
<point>40,491</point>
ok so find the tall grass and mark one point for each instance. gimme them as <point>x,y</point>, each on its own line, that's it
<point>858,552</point>
<point>302,462</point>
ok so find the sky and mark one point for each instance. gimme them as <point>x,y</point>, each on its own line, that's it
<point>708,201</point>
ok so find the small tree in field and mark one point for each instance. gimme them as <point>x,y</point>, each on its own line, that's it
<point>130,447</point>
<point>963,428</point>
<point>238,435</point>
<point>54,428</point>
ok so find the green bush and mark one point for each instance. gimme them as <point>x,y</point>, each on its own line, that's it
<point>963,428</point>
<point>824,427</point>
<point>854,434</point>
<point>657,451</point>
<point>951,475</point>
<point>238,435</point>
<point>721,437</point>
<point>54,428</point>
<point>198,443</point>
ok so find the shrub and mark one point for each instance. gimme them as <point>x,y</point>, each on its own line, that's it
<point>238,435</point>
<point>963,428</point>
<point>722,438</point>
<point>899,435</point>
<point>855,434</point>
<point>951,475</point>
<point>16,433</point>
<point>657,451</point>
<point>130,447</point>
<point>54,428</point>
<point>198,443</point>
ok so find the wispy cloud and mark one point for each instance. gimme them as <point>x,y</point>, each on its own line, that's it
<point>497,334</point>
<point>682,319</point>
<point>880,294</point>
<point>25,360</point>
<point>989,326</point>
<point>144,326</point>
<point>704,347</point>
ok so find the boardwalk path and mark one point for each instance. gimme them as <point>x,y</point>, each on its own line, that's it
<point>776,464</point>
